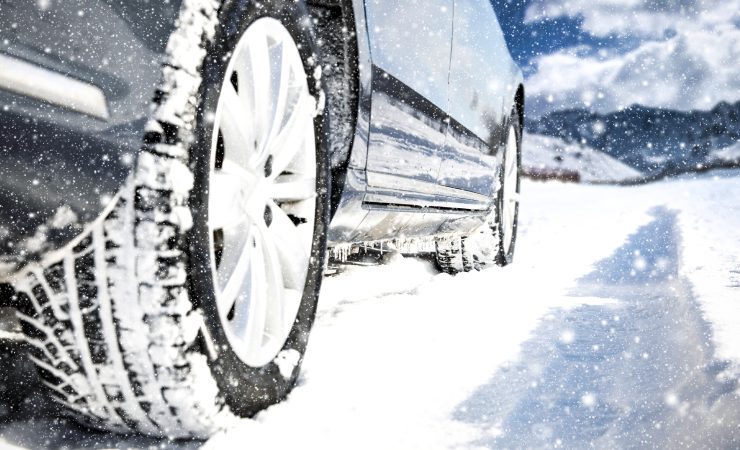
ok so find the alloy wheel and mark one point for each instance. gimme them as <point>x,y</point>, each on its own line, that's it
<point>262,191</point>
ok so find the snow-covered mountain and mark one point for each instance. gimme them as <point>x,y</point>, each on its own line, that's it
<point>552,157</point>
<point>652,140</point>
<point>729,154</point>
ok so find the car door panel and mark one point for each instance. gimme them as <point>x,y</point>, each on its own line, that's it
<point>480,66</point>
<point>407,133</point>
<point>410,44</point>
<point>411,40</point>
<point>468,164</point>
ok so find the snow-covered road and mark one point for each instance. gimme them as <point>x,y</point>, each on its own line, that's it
<point>617,327</point>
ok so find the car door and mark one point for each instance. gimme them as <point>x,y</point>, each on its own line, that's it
<point>410,44</point>
<point>478,70</point>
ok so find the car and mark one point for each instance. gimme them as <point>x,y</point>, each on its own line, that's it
<point>175,176</point>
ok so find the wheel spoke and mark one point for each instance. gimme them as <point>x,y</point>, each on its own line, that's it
<point>226,200</point>
<point>511,156</point>
<point>293,188</point>
<point>249,312</point>
<point>292,136</point>
<point>280,89</point>
<point>274,277</point>
<point>260,78</point>
<point>292,249</point>
<point>265,293</point>
<point>236,119</point>
<point>234,246</point>
<point>511,173</point>
<point>235,270</point>
<point>245,175</point>
<point>224,196</point>
<point>510,196</point>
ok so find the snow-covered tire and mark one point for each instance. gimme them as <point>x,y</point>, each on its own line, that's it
<point>485,246</point>
<point>122,323</point>
<point>453,255</point>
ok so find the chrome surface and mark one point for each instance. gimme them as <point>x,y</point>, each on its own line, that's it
<point>262,198</point>
<point>411,41</point>
<point>399,183</point>
<point>437,203</point>
<point>482,87</point>
<point>407,133</point>
<point>482,73</point>
<point>468,163</point>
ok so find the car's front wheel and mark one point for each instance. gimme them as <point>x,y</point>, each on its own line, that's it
<point>259,244</point>
<point>190,302</point>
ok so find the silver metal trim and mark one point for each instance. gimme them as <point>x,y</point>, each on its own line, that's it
<point>389,181</point>
<point>376,200</point>
<point>31,80</point>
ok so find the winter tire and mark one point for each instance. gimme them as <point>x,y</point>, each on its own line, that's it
<point>189,302</point>
<point>493,242</point>
<point>508,196</point>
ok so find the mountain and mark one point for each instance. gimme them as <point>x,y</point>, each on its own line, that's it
<point>651,140</point>
<point>550,157</point>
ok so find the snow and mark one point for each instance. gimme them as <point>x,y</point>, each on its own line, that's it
<point>709,218</point>
<point>598,334</point>
<point>727,154</point>
<point>545,154</point>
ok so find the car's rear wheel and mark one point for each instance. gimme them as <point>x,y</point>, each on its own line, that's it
<point>508,197</point>
<point>493,242</point>
<point>190,302</point>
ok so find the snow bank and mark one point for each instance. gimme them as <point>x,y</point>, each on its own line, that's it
<point>727,154</point>
<point>709,216</point>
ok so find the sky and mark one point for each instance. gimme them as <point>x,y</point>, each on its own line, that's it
<point>606,55</point>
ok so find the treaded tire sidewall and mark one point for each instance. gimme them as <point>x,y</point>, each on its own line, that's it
<point>504,257</point>
<point>247,389</point>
